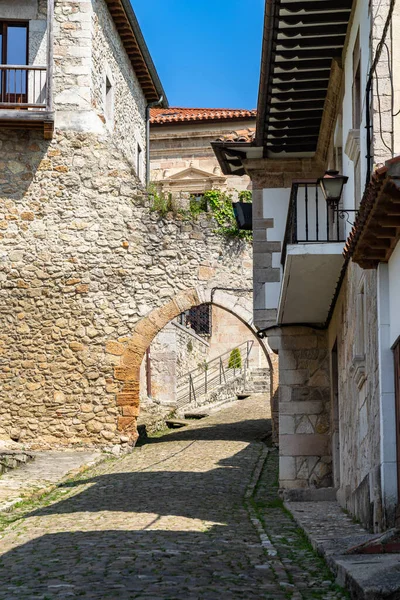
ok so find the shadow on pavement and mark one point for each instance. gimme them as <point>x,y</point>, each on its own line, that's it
<point>163,534</point>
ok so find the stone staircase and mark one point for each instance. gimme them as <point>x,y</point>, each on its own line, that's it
<point>257,381</point>
<point>12,459</point>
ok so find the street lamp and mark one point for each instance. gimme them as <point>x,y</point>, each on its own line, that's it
<point>332,186</point>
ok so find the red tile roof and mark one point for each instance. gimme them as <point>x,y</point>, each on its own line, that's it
<point>176,114</point>
<point>378,196</point>
<point>240,136</point>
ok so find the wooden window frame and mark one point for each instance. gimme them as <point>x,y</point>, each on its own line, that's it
<point>4,26</point>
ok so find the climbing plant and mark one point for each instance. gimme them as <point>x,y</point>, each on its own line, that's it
<point>216,203</point>
<point>221,206</point>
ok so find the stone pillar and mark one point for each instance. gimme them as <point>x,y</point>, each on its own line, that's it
<point>304,408</point>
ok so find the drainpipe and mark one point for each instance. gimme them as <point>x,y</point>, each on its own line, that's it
<point>148,107</point>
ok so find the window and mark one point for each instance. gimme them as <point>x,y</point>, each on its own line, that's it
<point>13,51</point>
<point>139,161</point>
<point>360,336</point>
<point>109,102</point>
<point>357,84</point>
<point>198,318</point>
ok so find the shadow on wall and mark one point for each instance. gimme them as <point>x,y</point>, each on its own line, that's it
<point>22,157</point>
<point>147,552</point>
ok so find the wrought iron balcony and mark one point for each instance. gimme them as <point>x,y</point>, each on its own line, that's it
<point>309,219</point>
<point>311,255</point>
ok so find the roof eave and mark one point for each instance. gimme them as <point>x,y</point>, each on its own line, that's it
<point>262,104</point>
<point>152,71</point>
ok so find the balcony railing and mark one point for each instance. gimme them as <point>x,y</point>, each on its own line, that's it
<point>309,219</point>
<point>24,87</point>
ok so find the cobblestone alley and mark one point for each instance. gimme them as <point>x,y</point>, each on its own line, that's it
<point>178,519</point>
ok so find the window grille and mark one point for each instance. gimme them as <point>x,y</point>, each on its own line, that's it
<point>198,318</point>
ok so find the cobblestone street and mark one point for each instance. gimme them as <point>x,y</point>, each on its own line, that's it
<point>178,519</point>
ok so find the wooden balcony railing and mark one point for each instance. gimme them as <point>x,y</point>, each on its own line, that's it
<point>24,87</point>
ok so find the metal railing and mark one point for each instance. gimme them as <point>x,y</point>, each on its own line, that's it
<point>309,219</point>
<point>24,87</point>
<point>213,375</point>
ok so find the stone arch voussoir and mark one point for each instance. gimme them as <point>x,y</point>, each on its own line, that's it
<point>132,353</point>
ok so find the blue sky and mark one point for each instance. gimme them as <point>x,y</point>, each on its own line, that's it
<point>207,52</point>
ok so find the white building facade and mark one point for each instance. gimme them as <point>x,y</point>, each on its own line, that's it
<point>326,288</point>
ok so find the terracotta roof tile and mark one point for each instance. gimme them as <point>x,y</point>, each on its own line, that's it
<point>242,135</point>
<point>176,114</point>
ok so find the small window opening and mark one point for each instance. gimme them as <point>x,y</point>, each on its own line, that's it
<point>139,161</point>
<point>109,101</point>
<point>357,84</point>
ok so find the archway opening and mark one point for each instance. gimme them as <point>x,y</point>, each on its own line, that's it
<point>146,330</point>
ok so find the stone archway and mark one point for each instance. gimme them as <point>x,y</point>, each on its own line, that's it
<point>149,326</point>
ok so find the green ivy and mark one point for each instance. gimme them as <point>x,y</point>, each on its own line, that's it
<point>216,203</point>
<point>221,206</point>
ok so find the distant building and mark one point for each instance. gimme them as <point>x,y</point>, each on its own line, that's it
<point>182,159</point>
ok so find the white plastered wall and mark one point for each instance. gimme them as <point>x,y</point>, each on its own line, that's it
<point>275,206</point>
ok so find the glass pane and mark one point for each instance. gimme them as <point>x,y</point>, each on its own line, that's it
<point>17,41</point>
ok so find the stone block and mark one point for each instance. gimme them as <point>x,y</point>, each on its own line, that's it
<point>286,424</point>
<point>130,411</point>
<point>292,376</point>
<point>127,424</point>
<point>129,398</point>
<point>287,467</point>
<point>303,445</point>
<point>301,408</point>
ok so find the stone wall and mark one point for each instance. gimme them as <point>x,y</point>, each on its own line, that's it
<point>182,159</point>
<point>82,260</point>
<point>304,407</point>
<point>358,387</point>
<point>174,351</point>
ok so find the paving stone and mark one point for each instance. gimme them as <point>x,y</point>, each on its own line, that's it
<point>168,522</point>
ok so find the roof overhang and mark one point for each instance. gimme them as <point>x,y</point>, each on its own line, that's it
<point>231,155</point>
<point>301,39</point>
<point>136,48</point>
<point>376,231</point>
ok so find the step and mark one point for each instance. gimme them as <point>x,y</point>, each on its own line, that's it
<point>176,423</point>
<point>195,415</point>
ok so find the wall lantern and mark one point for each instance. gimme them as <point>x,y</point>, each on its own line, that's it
<point>244,215</point>
<point>332,186</point>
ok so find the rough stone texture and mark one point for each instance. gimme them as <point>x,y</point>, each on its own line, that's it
<point>70,285</point>
<point>182,159</point>
<point>46,469</point>
<point>332,533</point>
<point>304,408</point>
<point>359,428</point>
<point>171,520</point>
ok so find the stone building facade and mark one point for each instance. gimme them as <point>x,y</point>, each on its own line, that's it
<point>85,264</point>
<point>182,160</point>
<point>327,305</point>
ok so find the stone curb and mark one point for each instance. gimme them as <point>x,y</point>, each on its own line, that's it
<point>274,561</point>
<point>365,577</point>
<point>47,489</point>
